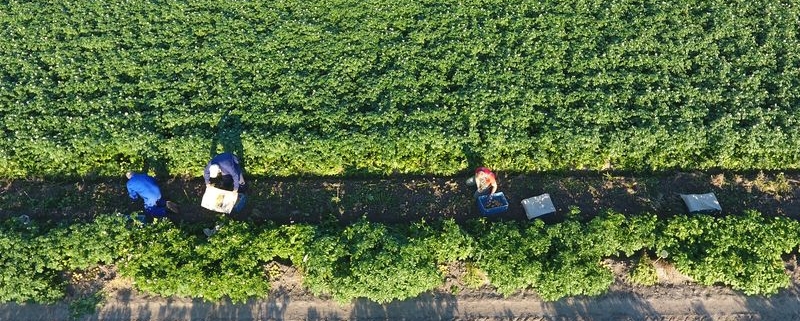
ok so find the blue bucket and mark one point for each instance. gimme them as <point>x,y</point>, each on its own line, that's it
<point>499,196</point>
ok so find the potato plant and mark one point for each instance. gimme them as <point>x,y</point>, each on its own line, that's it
<point>371,88</point>
<point>384,263</point>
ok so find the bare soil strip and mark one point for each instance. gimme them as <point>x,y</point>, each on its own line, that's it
<point>699,304</point>
<point>404,199</point>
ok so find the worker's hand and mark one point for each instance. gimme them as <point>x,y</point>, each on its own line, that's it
<point>236,190</point>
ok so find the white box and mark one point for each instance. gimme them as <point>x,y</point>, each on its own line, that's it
<point>538,205</point>
<point>701,203</point>
<point>219,200</point>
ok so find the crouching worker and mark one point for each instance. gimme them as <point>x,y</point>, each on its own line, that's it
<point>227,196</point>
<point>145,187</point>
<point>228,166</point>
<point>484,180</point>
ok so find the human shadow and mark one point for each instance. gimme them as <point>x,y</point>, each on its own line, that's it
<point>427,306</point>
<point>313,314</point>
<point>155,161</point>
<point>34,311</point>
<point>220,310</point>
<point>784,305</point>
<point>192,309</point>
<point>619,305</point>
<point>473,157</point>
<point>228,138</point>
<point>275,306</point>
<point>120,305</point>
<point>124,305</point>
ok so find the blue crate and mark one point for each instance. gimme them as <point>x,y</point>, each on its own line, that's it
<point>494,210</point>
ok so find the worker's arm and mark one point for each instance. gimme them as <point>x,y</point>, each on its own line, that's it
<point>207,174</point>
<point>493,184</point>
<point>236,180</point>
<point>237,174</point>
<point>239,179</point>
<point>132,193</point>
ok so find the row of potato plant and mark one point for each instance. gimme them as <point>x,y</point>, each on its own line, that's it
<point>425,87</point>
<point>393,262</point>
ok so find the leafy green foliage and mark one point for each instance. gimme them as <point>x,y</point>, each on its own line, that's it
<point>86,305</point>
<point>103,241</point>
<point>370,87</point>
<point>741,251</point>
<point>643,272</point>
<point>385,263</point>
<point>161,260</point>
<point>27,269</point>
<point>229,264</point>
<point>32,260</point>
<point>511,254</point>
<point>382,264</point>
<point>561,259</point>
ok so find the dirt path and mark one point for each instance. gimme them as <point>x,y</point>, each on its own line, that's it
<point>404,199</point>
<point>671,304</point>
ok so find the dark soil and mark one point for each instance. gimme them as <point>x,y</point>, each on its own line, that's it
<point>407,199</point>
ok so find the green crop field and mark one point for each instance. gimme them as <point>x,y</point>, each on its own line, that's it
<point>374,87</point>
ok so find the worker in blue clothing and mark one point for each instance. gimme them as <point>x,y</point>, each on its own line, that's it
<point>144,186</point>
<point>228,166</point>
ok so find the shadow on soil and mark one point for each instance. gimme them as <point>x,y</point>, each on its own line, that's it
<point>271,308</point>
<point>612,306</point>
<point>424,307</point>
<point>404,199</point>
<point>616,305</point>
